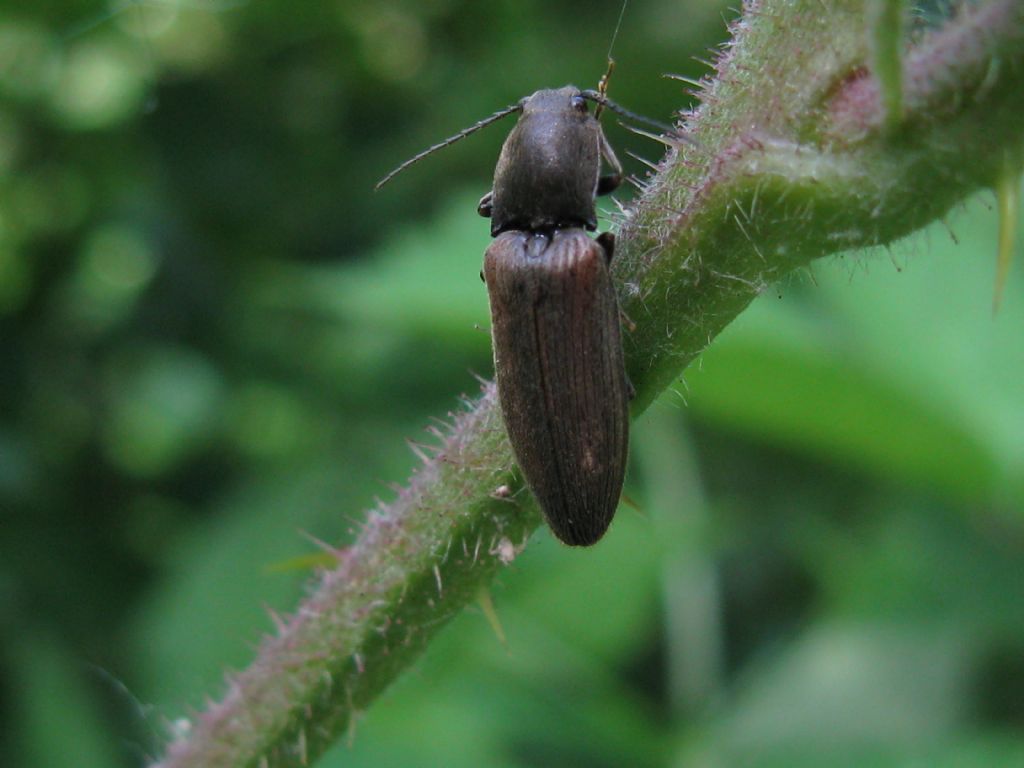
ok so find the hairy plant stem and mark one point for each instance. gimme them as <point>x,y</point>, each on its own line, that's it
<point>798,155</point>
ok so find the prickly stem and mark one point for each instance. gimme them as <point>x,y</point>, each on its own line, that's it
<point>792,162</point>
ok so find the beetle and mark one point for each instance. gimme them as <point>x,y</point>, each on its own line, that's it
<point>554,315</point>
<point>555,327</point>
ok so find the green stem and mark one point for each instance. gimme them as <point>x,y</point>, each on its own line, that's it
<point>885,18</point>
<point>1008,201</point>
<point>794,161</point>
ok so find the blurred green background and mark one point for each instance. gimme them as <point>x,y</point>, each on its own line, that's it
<point>216,338</point>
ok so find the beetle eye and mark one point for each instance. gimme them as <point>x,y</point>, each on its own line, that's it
<point>578,103</point>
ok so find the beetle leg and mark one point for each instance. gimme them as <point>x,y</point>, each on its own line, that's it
<point>607,241</point>
<point>484,206</point>
<point>609,183</point>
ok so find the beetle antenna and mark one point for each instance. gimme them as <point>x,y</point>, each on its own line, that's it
<point>598,98</point>
<point>602,84</point>
<point>449,141</point>
<point>615,34</point>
